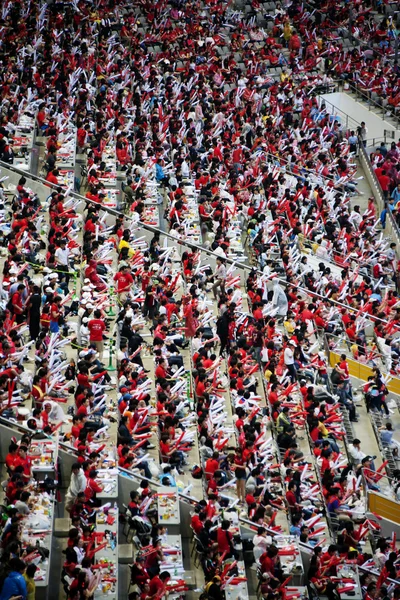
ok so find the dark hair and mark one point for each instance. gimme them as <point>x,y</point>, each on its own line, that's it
<point>16,564</point>
<point>31,570</point>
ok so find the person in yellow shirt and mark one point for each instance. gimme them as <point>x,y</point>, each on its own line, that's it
<point>322,429</point>
<point>287,32</point>
<point>267,374</point>
<point>29,576</point>
<point>125,243</point>
<point>289,324</point>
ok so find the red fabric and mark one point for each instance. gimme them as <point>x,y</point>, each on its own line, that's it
<point>96,328</point>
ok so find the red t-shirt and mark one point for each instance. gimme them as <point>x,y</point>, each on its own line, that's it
<point>200,389</point>
<point>164,448</point>
<point>291,498</point>
<point>197,525</point>
<point>124,281</point>
<point>384,181</point>
<point>83,380</point>
<point>54,309</point>
<point>155,586</point>
<point>25,463</point>
<point>16,301</point>
<point>96,328</point>
<point>11,460</point>
<point>212,465</point>
<point>160,372</point>
<point>92,488</point>
<point>223,538</point>
<point>343,365</point>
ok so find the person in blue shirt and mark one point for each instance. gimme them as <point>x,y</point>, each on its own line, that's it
<point>160,175</point>
<point>166,478</point>
<point>295,528</point>
<point>386,434</point>
<point>14,583</point>
<point>395,195</point>
<point>353,141</point>
<point>382,149</point>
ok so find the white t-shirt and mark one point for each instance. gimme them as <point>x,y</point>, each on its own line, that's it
<point>62,255</point>
<point>288,356</point>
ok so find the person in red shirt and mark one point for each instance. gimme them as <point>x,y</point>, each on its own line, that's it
<point>239,467</point>
<point>384,182</point>
<point>161,370</point>
<point>237,157</point>
<point>291,497</point>
<point>92,487</point>
<point>55,314</point>
<point>24,461</point>
<point>90,225</point>
<point>11,457</point>
<point>257,312</point>
<point>197,522</point>
<point>77,425</point>
<point>52,176</point>
<point>82,134</point>
<point>41,118</point>
<point>17,305</point>
<point>84,379</point>
<point>268,562</point>
<point>96,328</point>
<point>212,465</point>
<point>124,458</point>
<point>201,386</point>
<point>224,539</point>
<point>158,583</point>
<point>124,281</point>
<point>84,408</point>
<point>351,330</point>
<point>330,556</point>
<point>44,415</point>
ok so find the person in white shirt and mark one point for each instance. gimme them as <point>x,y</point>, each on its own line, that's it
<point>288,357</point>
<point>62,259</point>
<point>219,276</point>
<point>279,300</point>
<point>355,451</point>
<point>77,485</point>
<point>355,217</point>
<point>185,170</point>
<point>219,251</point>
<point>357,454</point>
<point>260,542</point>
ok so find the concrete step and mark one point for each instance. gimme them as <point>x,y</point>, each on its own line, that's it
<point>62,527</point>
<point>125,554</point>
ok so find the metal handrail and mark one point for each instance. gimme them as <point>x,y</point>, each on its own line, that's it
<point>340,113</point>
<point>389,215</point>
<point>368,99</point>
